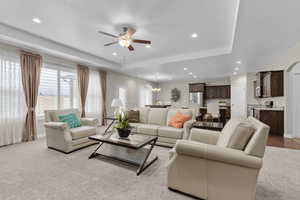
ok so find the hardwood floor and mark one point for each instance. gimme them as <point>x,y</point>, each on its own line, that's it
<point>278,141</point>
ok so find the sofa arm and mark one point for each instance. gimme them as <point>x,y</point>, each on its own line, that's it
<point>187,126</point>
<point>89,121</point>
<point>204,136</point>
<point>56,125</point>
<point>219,154</point>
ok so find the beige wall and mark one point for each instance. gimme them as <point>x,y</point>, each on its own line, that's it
<point>132,86</point>
<point>183,86</point>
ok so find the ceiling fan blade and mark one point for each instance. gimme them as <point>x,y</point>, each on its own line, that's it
<point>108,44</point>
<point>141,41</point>
<point>130,47</point>
<point>130,32</point>
<point>107,34</point>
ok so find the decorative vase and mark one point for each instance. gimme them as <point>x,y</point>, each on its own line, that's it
<point>123,133</point>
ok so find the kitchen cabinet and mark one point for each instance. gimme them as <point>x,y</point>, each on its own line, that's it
<point>217,92</point>
<point>273,118</point>
<point>196,87</point>
<point>269,84</point>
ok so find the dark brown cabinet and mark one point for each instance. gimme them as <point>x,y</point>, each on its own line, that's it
<point>196,87</point>
<point>273,118</point>
<point>269,84</point>
<point>217,92</point>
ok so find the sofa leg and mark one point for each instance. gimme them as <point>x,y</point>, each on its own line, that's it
<point>177,191</point>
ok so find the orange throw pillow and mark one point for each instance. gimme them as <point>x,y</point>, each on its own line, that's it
<point>178,120</point>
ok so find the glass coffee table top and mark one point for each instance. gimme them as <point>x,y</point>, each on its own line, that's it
<point>134,140</point>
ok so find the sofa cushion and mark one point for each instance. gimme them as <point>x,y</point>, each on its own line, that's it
<point>134,125</point>
<point>170,132</point>
<point>178,120</point>
<point>133,116</point>
<point>237,136</point>
<point>148,129</point>
<point>82,131</point>
<point>144,111</point>
<point>157,116</point>
<point>173,111</point>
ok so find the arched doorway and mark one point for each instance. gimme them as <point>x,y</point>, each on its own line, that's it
<point>293,100</point>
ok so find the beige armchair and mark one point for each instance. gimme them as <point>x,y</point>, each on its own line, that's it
<point>200,168</point>
<point>64,139</point>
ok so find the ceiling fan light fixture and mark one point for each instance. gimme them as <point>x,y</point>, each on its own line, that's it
<point>125,41</point>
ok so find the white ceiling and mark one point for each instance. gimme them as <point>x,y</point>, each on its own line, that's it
<point>227,31</point>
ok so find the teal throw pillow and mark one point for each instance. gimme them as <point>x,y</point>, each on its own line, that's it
<point>71,119</point>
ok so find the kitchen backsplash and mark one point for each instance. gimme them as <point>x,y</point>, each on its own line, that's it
<point>278,101</point>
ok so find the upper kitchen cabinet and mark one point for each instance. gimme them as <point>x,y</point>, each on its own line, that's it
<point>217,92</point>
<point>269,84</point>
<point>196,87</point>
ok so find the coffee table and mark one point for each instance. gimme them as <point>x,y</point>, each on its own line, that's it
<point>134,150</point>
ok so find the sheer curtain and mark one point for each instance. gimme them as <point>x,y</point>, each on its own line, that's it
<point>12,100</point>
<point>93,106</point>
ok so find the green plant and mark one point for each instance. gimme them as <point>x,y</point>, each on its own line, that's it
<point>122,121</point>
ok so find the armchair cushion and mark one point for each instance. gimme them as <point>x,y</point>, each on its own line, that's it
<point>204,136</point>
<point>89,121</point>
<point>236,134</point>
<point>215,153</point>
<point>82,132</point>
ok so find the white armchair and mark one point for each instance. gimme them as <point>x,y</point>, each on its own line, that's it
<point>64,139</point>
<point>201,168</point>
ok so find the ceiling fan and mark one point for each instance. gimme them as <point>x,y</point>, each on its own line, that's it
<point>125,38</point>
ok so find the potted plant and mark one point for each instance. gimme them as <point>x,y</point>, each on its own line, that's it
<point>122,125</point>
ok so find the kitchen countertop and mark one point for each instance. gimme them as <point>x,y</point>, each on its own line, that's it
<point>274,108</point>
<point>221,107</point>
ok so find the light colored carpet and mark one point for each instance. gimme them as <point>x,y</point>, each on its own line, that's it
<point>30,171</point>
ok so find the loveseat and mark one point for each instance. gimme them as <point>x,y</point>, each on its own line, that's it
<point>154,122</point>
<point>202,168</point>
<point>62,138</point>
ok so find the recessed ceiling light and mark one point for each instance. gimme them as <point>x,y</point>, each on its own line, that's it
<point>236,68</point>
<point>194,35</point>
<point>148,46</point>
<point>37,20</point>
<point>238,62</point>
<point>234,73</point>
<point>190,73</point>
<point>114,54</point>
<point>195,76</point>
<point>185,69</point>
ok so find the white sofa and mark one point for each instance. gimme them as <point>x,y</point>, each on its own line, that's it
<point>154,121</point>
<point>64,139</point>
<point>201,168</point>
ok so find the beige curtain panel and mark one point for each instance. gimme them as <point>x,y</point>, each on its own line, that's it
<point>30,68</point>
<point>103,75</point>
<point>83,84</point>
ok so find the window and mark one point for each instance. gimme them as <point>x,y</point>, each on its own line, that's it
<point>58,89</point>
<point>93,100</point>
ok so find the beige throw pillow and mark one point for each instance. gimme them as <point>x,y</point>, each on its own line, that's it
<point>237,137</point>
<point>133,116</point>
